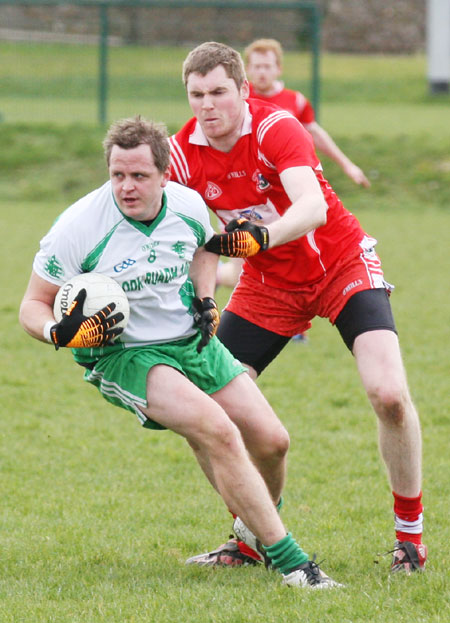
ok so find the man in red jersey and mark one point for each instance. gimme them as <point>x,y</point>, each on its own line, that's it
<point>306,256</point>
<point>263,62</point>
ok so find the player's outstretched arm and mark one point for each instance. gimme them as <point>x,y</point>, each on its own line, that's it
<point>324,143</point>
<point>307,212</point>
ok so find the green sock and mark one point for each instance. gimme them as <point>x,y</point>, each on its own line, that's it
<point>280,504</point>
<point>286,554</point>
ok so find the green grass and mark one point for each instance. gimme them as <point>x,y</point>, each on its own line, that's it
<point>98,516</point>
<point>58,83</point>
<point>58,163</point>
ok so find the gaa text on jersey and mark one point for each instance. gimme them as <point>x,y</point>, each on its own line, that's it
<point>118,268</point>
<point>163,275</point>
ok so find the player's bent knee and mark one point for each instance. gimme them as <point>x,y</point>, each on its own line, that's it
<point>390,403</point>
<point>267,441</point>
<point>218,435</point>
<point>278,445</point>
<point>274,449</point>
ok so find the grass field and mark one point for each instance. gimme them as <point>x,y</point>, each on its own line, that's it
<point>98,516</point>
<point>59,83</point>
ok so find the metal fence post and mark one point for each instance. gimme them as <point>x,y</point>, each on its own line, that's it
<point>315,97</point>
<point>103,65</point>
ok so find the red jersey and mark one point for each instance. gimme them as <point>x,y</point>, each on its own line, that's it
<point>293,101</point>
<point>246,182</point>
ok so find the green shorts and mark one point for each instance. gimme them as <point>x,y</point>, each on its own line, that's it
<point>121,376</point>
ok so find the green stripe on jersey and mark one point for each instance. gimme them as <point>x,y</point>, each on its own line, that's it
<point>187,294</point>
<point>90,262</point>
<point>197,228</point>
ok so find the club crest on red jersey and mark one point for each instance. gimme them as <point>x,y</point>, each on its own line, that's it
<point>261,183</point>
<point>212,191</point>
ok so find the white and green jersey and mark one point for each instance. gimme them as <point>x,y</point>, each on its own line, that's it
<point>151,263</point>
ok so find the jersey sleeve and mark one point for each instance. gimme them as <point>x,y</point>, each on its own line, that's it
<point>179,168</point>
<point>74,236</point>
<point>59,256</point>
<point>305,111</point>
<point>284,142</point>
<point>181,156</point>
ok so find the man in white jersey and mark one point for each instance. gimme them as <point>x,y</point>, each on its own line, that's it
<point>167,366</point>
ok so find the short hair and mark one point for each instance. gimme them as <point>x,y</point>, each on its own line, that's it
<point>263,46</point>
<point>134,131</point>
<point>209,55</point>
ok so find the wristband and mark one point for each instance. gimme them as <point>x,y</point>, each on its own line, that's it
<point>48,325</point>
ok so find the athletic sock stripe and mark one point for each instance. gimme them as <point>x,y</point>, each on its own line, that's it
<point>410,527</point>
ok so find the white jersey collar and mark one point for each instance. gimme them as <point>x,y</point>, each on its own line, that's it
<point>198,136</point>
<point>278,87</point>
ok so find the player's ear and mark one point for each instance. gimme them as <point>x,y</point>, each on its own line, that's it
<point>165,177</point>
<point>245,89</point>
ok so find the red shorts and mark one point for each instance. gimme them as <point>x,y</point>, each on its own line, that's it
<point>288,312</point>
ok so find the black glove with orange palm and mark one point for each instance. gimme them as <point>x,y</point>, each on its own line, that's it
<point>78,331</point>
<point>207,318</point>
<point>243,239</point>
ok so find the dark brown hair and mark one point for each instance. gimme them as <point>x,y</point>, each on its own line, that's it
<point>207,56</point>
<point>135,131</point>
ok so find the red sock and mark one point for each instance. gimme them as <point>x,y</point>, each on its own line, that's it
<point>244,548</point>
<point>408,518</point>
<point>248,551</point>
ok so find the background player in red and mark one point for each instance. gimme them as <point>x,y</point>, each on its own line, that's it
<point>263,62</point>
<point>306,256</point>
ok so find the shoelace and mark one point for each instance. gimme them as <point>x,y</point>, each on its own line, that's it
<point>391,551</point>
<point>312,570</point>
